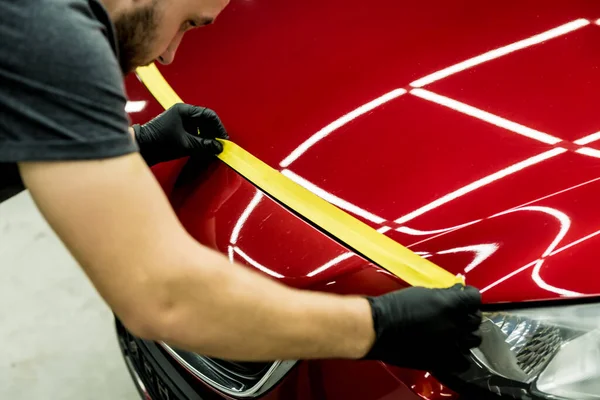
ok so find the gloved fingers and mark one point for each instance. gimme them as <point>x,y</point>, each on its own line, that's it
<point>462,364</point>
<point>212,145</point>
<point>474,320</point>
<point>209,146</point>
<point>205,123</point>
<point>469,341</point>
<point>451,362</point>
<point>468,299</point>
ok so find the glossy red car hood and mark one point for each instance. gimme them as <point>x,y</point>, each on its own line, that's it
<point>464,130</point>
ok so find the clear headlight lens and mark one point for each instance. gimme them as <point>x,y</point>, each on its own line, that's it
<point>539,353</point>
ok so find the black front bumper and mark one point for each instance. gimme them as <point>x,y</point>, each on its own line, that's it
<point>156,375</point>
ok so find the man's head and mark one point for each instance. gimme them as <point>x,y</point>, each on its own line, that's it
<point>149,30</point>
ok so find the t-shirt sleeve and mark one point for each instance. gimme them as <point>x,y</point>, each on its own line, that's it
<point>61,88</point>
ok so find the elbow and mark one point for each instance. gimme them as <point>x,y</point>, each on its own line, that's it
<point>150,318</point>
<point>173,308</point>
<point>144,326</point>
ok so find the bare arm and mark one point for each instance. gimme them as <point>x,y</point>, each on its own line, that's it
<point>164,286</point>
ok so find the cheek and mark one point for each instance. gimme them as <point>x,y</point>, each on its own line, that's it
<point>165,38</point>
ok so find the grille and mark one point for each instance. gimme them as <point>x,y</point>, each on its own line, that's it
<point>240,379</point>
<point>235,376</point>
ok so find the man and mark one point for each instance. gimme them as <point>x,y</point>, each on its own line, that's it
<point>64,135</point>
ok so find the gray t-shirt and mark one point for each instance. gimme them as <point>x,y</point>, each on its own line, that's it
<point>61,87</point>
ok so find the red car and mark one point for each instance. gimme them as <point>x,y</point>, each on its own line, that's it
<point>465,131</point>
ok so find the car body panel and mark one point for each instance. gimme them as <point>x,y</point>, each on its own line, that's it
<point>412,164</point>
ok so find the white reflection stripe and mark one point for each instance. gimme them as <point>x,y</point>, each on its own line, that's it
<point>482,252</point>
<point>256,264</point>
<point>330,264</point>
<point>598,22</point>
<point>384,229</point>
<point>565,223</point>
<point>417,232</point>
<point>557,193</point>
<point>588,139</point>
<point>338,124</point>
<point>343,204</point>
<point>535,275</point>
<point>589,152</point>
<point>536,261</point>
<point>485,116</point>
<point>235,234</point>
<point>502,51</point>
<point>135,106</point>
<point>482,182</point>
<point>499,281</point>
<point>423,254</point>
<point>230,252</point>
<point>583,239</point>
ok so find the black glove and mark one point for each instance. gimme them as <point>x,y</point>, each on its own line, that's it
<point>426,329</point>
<point>182,130</point>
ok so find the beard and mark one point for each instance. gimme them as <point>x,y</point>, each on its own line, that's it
<point>135,32</point>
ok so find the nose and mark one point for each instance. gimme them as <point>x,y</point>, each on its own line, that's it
<point>168,55</point>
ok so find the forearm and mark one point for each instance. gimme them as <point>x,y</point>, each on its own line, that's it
<point>231,312</point>
<point>118,224</point>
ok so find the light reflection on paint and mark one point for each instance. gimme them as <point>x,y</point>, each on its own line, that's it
<point>460,107</point>
<point>230,252</point>
<point>557,193</point>
<point>320,135</point>
<point>330,263</point>
<point>341,203</point>
<point>424,254</point>
<point>576,242</point>
<point>588,152</point>
<point>418,232</point>
<point>565,224</point>
<point>535,275</point>
<point>531,264</point>
<point>256,264</point>
<point>482,252</point>
<point>508,276</point>
<point>135,106</point>
<point>235,234</point>
<point>502,51</point>
<point>481,182</point>
<point>588,139</point>
<point>485,116</point>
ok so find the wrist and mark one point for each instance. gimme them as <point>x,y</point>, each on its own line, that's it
<point>365,329</point>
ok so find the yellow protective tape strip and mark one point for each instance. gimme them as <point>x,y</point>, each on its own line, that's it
<point>373,245</point>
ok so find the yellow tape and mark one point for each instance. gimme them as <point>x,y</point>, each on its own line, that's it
<point>365,240</point>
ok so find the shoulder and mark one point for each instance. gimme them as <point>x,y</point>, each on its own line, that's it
<point>75,37</point>
<point>58,64</point>
<point>62,41</point>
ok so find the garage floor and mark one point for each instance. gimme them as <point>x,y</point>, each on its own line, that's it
<point>56,334</point>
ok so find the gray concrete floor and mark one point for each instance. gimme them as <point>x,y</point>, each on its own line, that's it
<point>56,334</point>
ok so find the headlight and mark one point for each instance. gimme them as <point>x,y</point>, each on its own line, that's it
<point>538,353</point>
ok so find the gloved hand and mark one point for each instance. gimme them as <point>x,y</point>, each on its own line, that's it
<point>426,329</point>
<point>182,130</point>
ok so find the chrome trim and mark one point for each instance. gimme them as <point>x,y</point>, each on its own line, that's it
<point>137,378</point>
<point>275,373</point>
